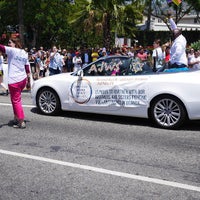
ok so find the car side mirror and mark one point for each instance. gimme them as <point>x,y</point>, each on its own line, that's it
<point>80,73</point>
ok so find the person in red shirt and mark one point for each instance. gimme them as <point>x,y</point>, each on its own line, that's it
<point>167,54</point>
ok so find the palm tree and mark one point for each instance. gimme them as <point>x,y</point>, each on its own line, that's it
<point>128,17</point>
<point>105,17</point>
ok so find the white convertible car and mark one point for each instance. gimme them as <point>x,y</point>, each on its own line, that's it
<point>119,85</point>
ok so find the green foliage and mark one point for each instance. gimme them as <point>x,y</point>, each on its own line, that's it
<point>87,22</point>
<point>102,20</point>
<point>8,18</point>
<point>195,4</point>
<point>196,45</point>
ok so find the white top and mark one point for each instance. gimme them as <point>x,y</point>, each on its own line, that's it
<point>197,65</point>
<point>158,53</point>
<point>17,59</point>
<point>1,62</point>
<point>130,54</point>
<point>178,48</point>
<point>56,61</point>
<point>77,60</point>
<point>178,51</point>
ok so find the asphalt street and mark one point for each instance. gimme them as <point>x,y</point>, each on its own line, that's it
<point>79,156</point>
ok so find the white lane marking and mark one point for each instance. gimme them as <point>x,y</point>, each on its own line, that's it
<point>104,171</point>
<point>9,104</point>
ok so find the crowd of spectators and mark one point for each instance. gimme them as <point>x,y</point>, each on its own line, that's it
<point>74,59</point>
<point>42,63</point>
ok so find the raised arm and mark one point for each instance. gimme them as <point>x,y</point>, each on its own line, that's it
<point>173,24</point>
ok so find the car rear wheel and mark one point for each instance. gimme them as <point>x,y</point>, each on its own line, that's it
<point>48,101</point>
<point>168,112</point>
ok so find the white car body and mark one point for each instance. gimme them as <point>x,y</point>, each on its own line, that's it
<point>5,74</point>
<point>123,95</point>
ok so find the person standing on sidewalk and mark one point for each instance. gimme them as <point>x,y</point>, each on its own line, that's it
<point>18,74</point>
<point>56,62</point>
<point>77,61</point>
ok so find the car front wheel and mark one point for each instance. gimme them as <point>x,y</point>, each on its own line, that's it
<point>48,101</point>
<point>168,112</point>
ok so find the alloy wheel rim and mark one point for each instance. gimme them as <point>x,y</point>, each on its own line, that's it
<point>167,112</point>
<point>47,102</point>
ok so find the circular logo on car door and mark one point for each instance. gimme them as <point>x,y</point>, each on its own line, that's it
<point>81,91</point>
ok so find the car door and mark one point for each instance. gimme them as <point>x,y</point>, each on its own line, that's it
<point>107,87</point>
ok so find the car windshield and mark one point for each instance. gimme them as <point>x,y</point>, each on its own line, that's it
<point>116,66</point>
<point>139,67</point>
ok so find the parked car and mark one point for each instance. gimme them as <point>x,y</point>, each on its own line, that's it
<point>120,85</point>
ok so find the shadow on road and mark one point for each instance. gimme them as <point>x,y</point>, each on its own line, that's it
<point>189,125</point>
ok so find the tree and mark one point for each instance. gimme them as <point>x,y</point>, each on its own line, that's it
<point>94,22</point>
<point>21,20</point>
<point>8,20</point>
<point>160,8</point>
<point>45,21</point>
<point>128,18</point>
<point>103,18</point>
<point>39,21</point>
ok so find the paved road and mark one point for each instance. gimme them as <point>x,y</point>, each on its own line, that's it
<point>95,157</point>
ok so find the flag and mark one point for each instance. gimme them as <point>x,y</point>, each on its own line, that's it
<point>169,1</point>
<point>177,2</point>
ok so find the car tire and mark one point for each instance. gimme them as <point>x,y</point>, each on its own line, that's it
<point>48,101</point>
<point>168,112</point>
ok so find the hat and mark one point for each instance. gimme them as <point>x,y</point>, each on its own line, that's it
<point>77,53</point>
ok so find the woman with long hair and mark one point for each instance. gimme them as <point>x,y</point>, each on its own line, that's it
<point>18,72</point>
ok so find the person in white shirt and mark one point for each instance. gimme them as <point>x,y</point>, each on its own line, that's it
<point>178,57</point>
<point>56,62</point>
<point>157,55</point>
<point>195,61</point>
<point>130,52</point>
<point>18,72</point>
<point>190,55</point>
<point>77,61</point>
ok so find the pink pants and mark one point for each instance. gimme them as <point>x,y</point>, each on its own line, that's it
<point>15,90</point>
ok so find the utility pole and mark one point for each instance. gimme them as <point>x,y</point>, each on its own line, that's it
<point>21,20</point>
